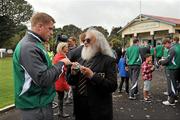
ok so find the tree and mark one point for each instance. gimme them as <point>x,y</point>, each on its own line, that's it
<point>71,30</point>
<point>17,10</point>
<point>12,14</point>
<point>12,42</point>
<point>114,31</point>
<point>7,29</point>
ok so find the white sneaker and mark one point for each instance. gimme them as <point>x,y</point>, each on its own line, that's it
<point>176,101</point>
<point>132,98</point>
<point>165,93</point>
<point>168,103</point>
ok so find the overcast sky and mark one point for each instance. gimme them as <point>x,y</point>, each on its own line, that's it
<point>106,13</point>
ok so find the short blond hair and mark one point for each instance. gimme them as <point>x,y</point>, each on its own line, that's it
<point>60,46</point>
<point>41,17</point>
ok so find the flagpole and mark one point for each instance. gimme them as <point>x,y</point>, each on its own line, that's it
<point>140,9</point>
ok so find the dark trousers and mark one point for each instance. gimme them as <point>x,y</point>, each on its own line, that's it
<point>172,81</point>
<point>133,75</point>
<point>178,81</point>
<point>81,108</point>
<point>60,100</point>
<point>43,113</point>
<point>126,79</point>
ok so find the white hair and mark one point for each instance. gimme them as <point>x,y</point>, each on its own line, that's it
<point>101,43</point>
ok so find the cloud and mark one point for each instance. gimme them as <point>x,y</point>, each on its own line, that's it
<point>106,13</point>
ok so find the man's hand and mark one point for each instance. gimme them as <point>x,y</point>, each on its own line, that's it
<point>66,61</point>
<point>87,71</point>
<point>75,68</point>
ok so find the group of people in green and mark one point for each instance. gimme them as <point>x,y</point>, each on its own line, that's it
<point>166,54</point>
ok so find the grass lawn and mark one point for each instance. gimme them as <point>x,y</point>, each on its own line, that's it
<point>6,82</point>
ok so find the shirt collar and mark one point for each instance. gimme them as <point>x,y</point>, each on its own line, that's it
<point>39,38</point>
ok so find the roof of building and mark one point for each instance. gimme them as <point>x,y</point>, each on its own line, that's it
<point>167,20</point>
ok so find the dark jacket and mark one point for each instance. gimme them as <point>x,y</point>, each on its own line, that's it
<point>98,100</point>
<point>143,51</point>
<point>75,53</point>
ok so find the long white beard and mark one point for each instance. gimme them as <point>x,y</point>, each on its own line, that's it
<point>89,52</point>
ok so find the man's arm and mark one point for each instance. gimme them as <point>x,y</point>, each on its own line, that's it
<point>169,58</point>
<point>32,61</point>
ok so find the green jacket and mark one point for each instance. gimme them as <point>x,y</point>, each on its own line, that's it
<point>133,56</point>
<point>34,75</point>
<point>152,51</point>
<point>165,53</point>
<point>173,59</point>
<point>159,51</point>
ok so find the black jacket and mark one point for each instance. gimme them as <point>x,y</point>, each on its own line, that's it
<point>99,88</point>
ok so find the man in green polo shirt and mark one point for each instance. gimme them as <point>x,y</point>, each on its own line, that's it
<point>133,60</point>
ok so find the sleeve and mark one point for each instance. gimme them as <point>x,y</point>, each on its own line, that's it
<point>33,62</point>
<point>72,79</point>
<point>107,84</point>
<point>169,58</point>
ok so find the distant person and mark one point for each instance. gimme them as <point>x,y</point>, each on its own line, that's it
<point>94,78</point>
<point>71,46</point>
<point>167,46</point>
<point>147,69</point>
<point>61,84</point>
<point>119,51</point>
<point>75,54</point>
<point>72,43</point>
<point>158,53</point>
<point>145,49</point>
<point>123,73</point>
<point>152,53</point>
<point>133,59</point>
<point>172,63</point>
<point>34,74</point>
<point>114,52</point>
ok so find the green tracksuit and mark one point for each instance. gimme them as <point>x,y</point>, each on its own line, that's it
<point>34,75</point>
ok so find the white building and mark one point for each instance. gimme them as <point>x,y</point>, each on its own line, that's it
<point>151,28</point>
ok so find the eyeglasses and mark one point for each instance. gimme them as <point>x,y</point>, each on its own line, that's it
<point>88,40</point>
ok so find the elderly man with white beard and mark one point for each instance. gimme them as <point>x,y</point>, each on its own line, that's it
<point>94,76</point>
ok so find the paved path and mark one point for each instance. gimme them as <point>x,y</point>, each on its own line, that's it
<point>125,109</point>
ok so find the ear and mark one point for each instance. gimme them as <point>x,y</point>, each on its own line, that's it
<point>40,26</point>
